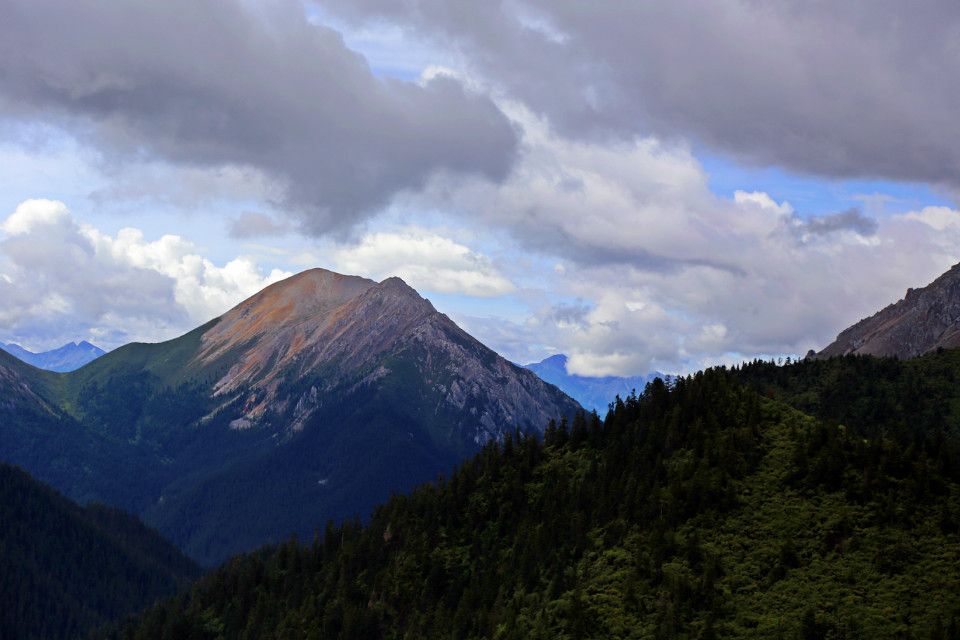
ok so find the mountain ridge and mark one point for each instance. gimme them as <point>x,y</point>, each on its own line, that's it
<point>925,319</point>
<point>69,357</point>
<point>315,398</point>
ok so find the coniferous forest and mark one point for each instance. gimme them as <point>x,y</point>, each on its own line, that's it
<point>815,500</point>
<point>66,570</point>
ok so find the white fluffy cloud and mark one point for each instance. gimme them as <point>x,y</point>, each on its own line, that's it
<point>32,214</point>
<point>672,276</point>
<point>425,260</point>
<point>63,280</point>
<point>939,218</point>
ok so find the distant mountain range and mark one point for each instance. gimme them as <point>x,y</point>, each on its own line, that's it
<point>924,320</point>
<point>69,357</point>
<point>66,570</point>
<point>315,399</point>
<point>595,393</point>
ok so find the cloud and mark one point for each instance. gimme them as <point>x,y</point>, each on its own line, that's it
<point>939,218</point>
<point>35,213</point>
<point>247,88</point>
<point>762,200</point>
<point>642,202</point>
<point>425,260</point>
<point>252,224</point>
<point>851,220</point>
<point>64,280</point>
<point>571,129</point>
<point>670,276</point>
<point>851,90</point>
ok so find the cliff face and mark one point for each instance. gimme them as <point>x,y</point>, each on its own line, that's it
<point>925,319</point>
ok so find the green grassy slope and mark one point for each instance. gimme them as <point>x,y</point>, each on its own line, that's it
<point>110,430</point>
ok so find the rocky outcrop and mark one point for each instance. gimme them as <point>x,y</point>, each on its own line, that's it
<point>924,320</point>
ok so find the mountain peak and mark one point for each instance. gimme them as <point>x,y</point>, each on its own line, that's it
<point>590,391</point>
<point>319,320</point>
<point>311,400</point>
<point>395,282</point>
<point>68,357</point>
<point>925,319</point>
<point>315,319</point>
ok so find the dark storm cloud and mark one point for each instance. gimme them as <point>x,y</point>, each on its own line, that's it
<point>574,314</point>
<point>857,88</point>
<point>227,82</point>
<point>853,219</point>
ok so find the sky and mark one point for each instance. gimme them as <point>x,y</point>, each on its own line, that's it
<point>648,186</point>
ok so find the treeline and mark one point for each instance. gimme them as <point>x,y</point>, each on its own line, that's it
<point>66,570</point>
<point>700,509</point>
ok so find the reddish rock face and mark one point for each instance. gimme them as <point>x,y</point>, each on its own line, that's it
<point>924,320</point>
<point>348,330</point>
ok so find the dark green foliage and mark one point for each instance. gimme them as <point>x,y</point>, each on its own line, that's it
<point>901,400</point>
<point>65,570</point>
<point>701,510</point>
<point>143,428</point>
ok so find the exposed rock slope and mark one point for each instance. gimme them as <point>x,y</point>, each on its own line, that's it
<point>924,320</point>
<point>341,330</point>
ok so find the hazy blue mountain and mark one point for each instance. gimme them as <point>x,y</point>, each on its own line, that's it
<point>591,392</point>
<point>69,357</point>
<point>315,399</point>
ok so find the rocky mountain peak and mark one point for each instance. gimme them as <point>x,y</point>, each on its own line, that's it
<point>327,330</point>
<point>925,319</point>
<point>292,308</point>
<point>313,399</point>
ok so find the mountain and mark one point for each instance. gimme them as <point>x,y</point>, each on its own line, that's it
<point>595,393</point>
<point>315,399</point>
<point>924,320</point>
<point>69,357</point>
<point>699,510</point>
<point>66,570</point>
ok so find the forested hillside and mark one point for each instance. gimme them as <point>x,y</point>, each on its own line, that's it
<point>65,570</point>
<point>698,510</point>
<point>316,398</point>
